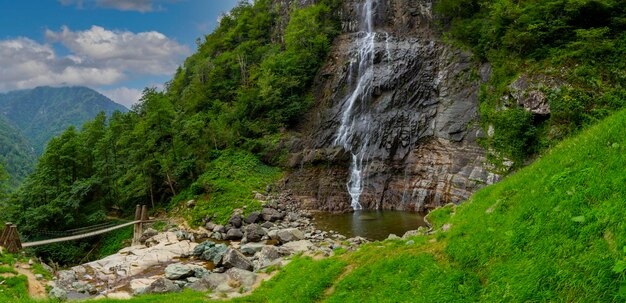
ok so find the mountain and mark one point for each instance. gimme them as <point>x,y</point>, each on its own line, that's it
<point>16,153</point>
<point>44,112</point>
<point>30,118</point>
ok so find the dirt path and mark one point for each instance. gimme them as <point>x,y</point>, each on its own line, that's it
<point>36,290</point>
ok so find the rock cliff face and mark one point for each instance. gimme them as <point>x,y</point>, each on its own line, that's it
<point>414,125</point>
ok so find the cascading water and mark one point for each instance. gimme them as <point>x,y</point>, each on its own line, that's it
<point>351,122</point>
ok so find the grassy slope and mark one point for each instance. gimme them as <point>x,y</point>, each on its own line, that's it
<point>551,232</point>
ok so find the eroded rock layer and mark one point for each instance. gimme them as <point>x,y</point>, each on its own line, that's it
<point>417,123</point>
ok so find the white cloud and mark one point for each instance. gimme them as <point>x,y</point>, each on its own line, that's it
<point>96,57</point>
<point>142,6</point>
<point>123,95</point>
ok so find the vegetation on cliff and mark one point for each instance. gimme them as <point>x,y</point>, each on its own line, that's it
<point>573,50</point>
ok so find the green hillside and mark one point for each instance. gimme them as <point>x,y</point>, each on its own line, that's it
<point>44,112</point>
<point>553,232</point>
<point>16,153</point>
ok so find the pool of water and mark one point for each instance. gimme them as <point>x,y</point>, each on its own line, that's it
<point>370,224</point>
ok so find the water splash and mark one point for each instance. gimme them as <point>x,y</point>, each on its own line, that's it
<point>363,63</point>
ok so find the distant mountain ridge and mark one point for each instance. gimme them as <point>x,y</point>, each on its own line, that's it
<point>30,118</point>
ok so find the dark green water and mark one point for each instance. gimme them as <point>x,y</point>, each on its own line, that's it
<point>370,224</point>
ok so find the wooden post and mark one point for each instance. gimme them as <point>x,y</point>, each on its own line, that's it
<point>144,213</point>
<point>137,226</point>
<point>13,244</point>
<point>4,235</point>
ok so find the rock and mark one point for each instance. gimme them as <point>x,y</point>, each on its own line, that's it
<point>253,217</point>
<point>253,233</point>
<point>182,235</point>
<point>162,286</point>
<point>84,287</point>
<point>147,234</point>
<point>245,278</point>
<point>299,246</point>
<point>267,225</point>
<point>234,234</point>
<point>357,240</point>
<point>410,242</point>
<point>251,248</point>
<point>191,203</point>
<point>235,221</point>
<point>139,286</point>
<point>219,229</point>
<point>410,233</point>
<point>289,234</point>
<point>209,226</point>
<point>292,216</point>
<point>58,294</point>
<point>215,254</point>
<point>393,237</point>
<point>234,258</point>
<point>270,214</point>
<point>178,271</point>
<point>212,281</point>
<point>39,276</point>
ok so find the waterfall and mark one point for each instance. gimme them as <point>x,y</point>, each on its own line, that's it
<point>351,122</point>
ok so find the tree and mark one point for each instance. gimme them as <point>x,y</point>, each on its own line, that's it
<point>4,177</point>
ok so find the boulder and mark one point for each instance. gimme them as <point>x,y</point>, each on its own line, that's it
<point>234,258</point>
<point>235,221</point>
<point>267,225</point>
<point>299,246</point>
<point>211,281</point>
<point>253,217</point>
<point>253,233</point>
<point>234,234</point>
<point>245,278</point>
<point>84,287</point>
<point>215,253</point>
<point>147,234</point>
<point>162,286</point>
<point>270,214</point>
<point>182,235</point>
<point>219,229</point>
<point>58,294</point>
<point>209,226</point>
<point>251,248</point>
<point>289,234</point>
<point>178,271</point>
<point>393,237</point>
<point>201,248</point>
<point>139,286</point>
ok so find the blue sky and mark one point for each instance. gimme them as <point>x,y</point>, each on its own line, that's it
<point>117,47</point>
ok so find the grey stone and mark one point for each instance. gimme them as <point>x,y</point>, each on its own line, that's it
<point>253,217</point>
<point>234,258</point>
<point>162,286</point>
<point>215,254</point>
<point>212,281</point>
<point>209,226</point>
<point>253,233</point>
<point>270,214</point>
<point>299,246</point>
<point>219,229</point>
<point>235,221</point>
<point>202,247</point>
<point>57,293</point>
<point>234,234</point>
<point>244,277</point>
<point>267,225</point>
<point>178,271</point>
<point>393,237</point>
<point>84,287</point>
<point>251,248</point>
<point>289,234</point>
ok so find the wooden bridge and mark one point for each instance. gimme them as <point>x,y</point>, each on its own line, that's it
<point>10,238</point>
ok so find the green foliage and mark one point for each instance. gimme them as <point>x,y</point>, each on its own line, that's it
<point>15,154</point>
<point>114,241</point>
<point>13,288</point>
<point>579,43</point>
<point>229,183</point>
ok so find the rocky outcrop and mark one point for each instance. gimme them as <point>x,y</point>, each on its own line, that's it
<point>417,123</point>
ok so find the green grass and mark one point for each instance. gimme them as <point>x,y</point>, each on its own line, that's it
<point>303,280</point>
<point>228,184</point>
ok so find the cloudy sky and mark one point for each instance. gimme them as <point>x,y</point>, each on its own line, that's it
<point>117,47</point>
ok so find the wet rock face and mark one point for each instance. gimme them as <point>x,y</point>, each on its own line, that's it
<point>416,122</point>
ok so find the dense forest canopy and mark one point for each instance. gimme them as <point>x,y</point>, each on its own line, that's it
<point>248,80</point>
